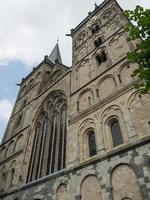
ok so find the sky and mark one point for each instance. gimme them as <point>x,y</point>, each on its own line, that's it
<point>29,29</point>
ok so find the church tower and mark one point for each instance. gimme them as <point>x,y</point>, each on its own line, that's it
<point>80,132</point>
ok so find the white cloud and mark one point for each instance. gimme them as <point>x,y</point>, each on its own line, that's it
<point>29,28</point>
<point>5,110</point>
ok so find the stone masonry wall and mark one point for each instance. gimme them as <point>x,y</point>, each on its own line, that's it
<point>68,184</point>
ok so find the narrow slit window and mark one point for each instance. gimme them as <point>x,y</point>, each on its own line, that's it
<point>148,123</point>
<point>98,42</point>
<point>98,59</point>
<point>92,144</point>
<point>89,100</point>
<point>78,106</point>
<point>12,177</point>
<point>97,92</point>
<point>104,57</point>
<point>93,31</point>
<point>97,28</point>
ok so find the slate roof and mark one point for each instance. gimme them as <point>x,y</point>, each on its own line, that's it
<point>55,55</point>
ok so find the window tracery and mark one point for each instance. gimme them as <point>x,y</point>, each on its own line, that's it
<point>49,145</point>
<point>50,79</point>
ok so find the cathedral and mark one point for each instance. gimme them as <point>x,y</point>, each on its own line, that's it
<point>80,132</point>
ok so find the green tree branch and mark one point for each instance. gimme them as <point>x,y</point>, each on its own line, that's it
<point>139,28</point>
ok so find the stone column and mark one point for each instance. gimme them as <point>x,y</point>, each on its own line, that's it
<point>129,124</point>
<point>100,138</point>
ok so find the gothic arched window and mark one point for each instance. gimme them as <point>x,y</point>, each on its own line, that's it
<point>49,145</point>
<point>116,133</point>
<point>92,143</point>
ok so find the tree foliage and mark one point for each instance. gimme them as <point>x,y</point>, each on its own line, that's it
<point>139,28</point>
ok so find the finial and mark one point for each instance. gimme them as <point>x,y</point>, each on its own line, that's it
<point>57,40</point>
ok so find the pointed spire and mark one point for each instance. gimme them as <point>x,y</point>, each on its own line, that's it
<point>55,56</point>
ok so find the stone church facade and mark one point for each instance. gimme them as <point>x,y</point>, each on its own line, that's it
<point>80,132</point>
